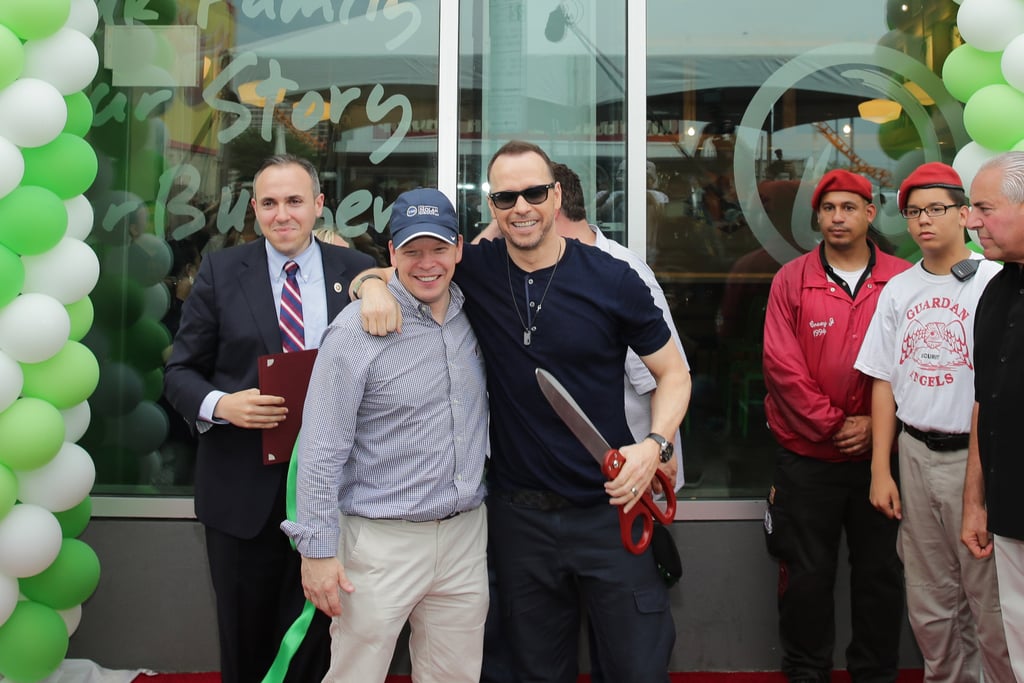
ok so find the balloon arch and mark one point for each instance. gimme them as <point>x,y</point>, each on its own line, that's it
<point>47,59</point>
<point>47,271</point>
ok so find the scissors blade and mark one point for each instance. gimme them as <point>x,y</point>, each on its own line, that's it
<point>572,415</point>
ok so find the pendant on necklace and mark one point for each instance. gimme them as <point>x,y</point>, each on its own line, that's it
<point>526,337</point>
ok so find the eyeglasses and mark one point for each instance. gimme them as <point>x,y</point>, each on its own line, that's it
<point>933,211</point>
<point>538,194</point>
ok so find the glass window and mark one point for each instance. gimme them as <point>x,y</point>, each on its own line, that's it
<point>552,73</point>
<point>748,104</point>
<point>188,103</point>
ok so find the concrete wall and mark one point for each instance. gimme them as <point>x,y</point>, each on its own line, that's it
<point>154,605</point>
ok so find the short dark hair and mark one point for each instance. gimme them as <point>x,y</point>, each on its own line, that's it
<point>516,148</point>
<point>573,207</point>
<point>288,160</point>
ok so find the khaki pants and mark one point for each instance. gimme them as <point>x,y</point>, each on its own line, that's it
<point>433,574</point>
<point>952,597</point>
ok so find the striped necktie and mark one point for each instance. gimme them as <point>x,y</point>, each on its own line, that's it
<point>293,336</point>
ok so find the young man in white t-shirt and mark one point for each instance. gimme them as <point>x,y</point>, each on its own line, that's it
<point>919,349</point>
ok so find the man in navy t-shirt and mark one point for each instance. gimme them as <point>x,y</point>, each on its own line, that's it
<point>537,300</point>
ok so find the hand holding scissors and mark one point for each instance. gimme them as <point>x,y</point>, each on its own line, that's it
<point>611,461</point>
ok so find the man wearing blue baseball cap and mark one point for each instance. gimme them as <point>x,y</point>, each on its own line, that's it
<point>394,433</point>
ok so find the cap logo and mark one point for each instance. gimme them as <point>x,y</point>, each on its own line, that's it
<point>422,210</point>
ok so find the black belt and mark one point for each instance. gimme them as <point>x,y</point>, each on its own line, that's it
<point>536,500</point>
<point>939,441</point>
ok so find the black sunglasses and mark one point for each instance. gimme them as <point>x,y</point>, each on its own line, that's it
<point>538,194</point>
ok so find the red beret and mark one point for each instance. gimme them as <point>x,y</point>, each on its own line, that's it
<point>841,181</point>
<point>932,174</point>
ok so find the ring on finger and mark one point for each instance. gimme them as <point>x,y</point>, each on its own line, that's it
<point>633,491</point>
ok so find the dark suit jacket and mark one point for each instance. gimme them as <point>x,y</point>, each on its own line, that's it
<point>228,320</point>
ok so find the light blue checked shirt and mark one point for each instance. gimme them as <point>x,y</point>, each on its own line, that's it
<point>393,427</point>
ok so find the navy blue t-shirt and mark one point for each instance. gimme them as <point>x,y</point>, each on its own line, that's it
<point>595,307</point>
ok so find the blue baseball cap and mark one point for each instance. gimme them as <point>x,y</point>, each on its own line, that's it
<point>423,212</point>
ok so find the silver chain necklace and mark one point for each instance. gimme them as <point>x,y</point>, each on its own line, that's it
<point>528,330</point>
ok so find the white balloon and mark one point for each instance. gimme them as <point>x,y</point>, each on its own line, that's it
<point>84,17</point>
<point>60,484</point>
<point>8,597</point>
<point>30,538</point>
<point>80,217</point>
<point>32,112</point>
<point>12,166</point>
<point>11,380</point>
<point>969,159</point>
<point>1012,62</point>
<point>72,618</point>
<point>990,25</point>
<point>67,59</point>
<point>33,328</point>
<point>67,272</point>
<point>76,421</point>
<point>156,301</point>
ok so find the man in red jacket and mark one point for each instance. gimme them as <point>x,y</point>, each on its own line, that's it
<point>818,408</point>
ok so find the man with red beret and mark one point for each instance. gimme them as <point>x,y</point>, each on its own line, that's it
<point>819,410</point>
<point>920,350</point>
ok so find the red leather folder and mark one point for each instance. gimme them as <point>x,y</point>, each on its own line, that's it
<point>286,375</point>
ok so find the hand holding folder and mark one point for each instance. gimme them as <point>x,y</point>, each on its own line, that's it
<point>285,375</point>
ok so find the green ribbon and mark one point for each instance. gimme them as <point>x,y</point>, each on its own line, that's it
<point>297,631</point>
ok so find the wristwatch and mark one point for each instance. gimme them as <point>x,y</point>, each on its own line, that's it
<point>361,281</point>
<point>667,447</point>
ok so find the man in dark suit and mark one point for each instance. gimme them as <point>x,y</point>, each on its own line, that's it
<point>231,318</point>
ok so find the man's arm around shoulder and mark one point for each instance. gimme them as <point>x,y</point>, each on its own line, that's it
<point>381,313</point>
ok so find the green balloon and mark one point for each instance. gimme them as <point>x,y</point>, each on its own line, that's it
<point>32,19</point>
<point>69,581</point>
<point>897,138</point>
<point>12,275</point>
<point>166,12</point>
<point>67,166</point>
<point>31,433</point>
<point>118,393</point>
<point>8,490</point>
<point>32,219</point>
<point>65,379</point>
<point>81,313</point>
<point>74,521</point>
<point>994,117</point>
<point>33,642</point>
<point>12,57</point>
<point>153,384</point>
<point>968,69</point>
<point>80,114</point>
<point>118,302</point>
<point>145,343</point>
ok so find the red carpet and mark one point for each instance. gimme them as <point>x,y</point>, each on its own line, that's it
<point>913,676</point>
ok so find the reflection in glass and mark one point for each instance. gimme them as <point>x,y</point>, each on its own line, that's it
<point>748,105</point>
<point>190,102</point>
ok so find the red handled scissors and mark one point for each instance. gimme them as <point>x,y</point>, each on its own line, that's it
<point>611,461</point>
